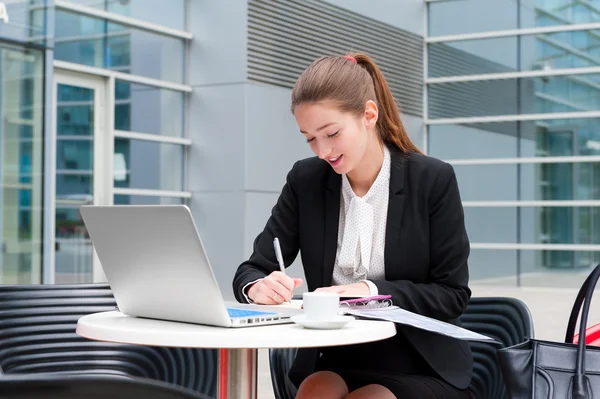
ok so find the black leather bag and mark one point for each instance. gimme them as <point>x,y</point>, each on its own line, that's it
<point>538,369</point>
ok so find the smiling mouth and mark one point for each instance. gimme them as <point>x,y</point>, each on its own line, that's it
<point>336,160</point>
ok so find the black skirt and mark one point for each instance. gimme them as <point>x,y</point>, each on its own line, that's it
<point>392,363</point>
<point>404,386</point>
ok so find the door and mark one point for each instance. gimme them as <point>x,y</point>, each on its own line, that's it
<point>81,138</point>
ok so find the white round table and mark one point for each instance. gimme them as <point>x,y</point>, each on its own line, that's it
<point>238,346</point>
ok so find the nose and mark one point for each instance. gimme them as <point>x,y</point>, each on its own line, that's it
<point>323,150</point>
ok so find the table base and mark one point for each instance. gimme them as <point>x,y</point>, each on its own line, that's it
<point>238,373</point>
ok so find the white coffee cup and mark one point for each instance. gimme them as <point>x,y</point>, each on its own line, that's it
<point>321,305</point>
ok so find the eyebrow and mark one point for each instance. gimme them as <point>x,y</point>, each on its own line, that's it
<point>321,128</point>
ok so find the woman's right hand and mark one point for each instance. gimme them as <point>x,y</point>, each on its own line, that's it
<point>274,289</point>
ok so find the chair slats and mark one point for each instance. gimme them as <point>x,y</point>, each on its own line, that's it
<point>71,386</point>
<point>37,336</point>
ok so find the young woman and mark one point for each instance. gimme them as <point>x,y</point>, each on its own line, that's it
<point>370,215</point>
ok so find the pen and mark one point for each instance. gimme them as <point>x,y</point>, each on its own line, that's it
<point>279,255</point>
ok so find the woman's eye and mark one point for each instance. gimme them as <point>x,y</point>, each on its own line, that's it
<point>309,140</point>
<point>333,135</point>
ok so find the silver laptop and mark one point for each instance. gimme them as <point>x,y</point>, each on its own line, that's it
<point>156,266</point>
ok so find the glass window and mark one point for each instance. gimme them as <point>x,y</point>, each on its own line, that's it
<point>508,54</point>
<point>148,165</point>
<point>26,22</point>
<point>515,96</point>
<point>539,182</point>
<point>99,43</point>
<point>538,268</point>
<point>21,178</point>
<point>148,109</point>
<point>481,140</point>
<point>120,199</point>
<point>538,225</point>
<point>468,16</point>
<point>553,137</point>
<point>75,110</point>
<point>170,14</point>
<point>565,181</point>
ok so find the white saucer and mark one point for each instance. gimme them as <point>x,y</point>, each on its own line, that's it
<point>332,324</point>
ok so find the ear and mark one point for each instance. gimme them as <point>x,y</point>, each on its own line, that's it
<point>371,114</point>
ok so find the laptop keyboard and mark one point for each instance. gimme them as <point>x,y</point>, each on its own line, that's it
<point>245,313</point>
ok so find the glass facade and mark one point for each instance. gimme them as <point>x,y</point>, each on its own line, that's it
<point>148,165</point>
<point>104,44</point>
<point>170,14</point>
<point>138,134</point>
<point>21,169</point>
<point>524,147</point>
<point>27,21</point>
<point>75,128</point>
<point>146,109</point>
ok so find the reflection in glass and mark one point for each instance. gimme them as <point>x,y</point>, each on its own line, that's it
<point>25,23</point>
<point>467,16</point>
<point>514,96</point>
<point>148,165</point>
<point>538,225</point>
<point>533,52</point>
<point>553,137</point>
<point>21,179</point>
<point>146,109</point>
<point>170,13</point>
<point>538,181</point>
<point>97,42</point>
<point>74,182</point>
<point>564,181</point>
<point>499,267</point>
<point>146,200</point>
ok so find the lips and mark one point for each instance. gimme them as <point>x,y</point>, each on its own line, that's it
<point>335,161</point>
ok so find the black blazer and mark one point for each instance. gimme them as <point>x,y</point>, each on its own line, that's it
<point>426,250</point>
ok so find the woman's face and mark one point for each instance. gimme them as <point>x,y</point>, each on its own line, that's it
<point>340,138</point>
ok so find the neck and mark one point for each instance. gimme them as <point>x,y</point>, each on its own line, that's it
<point>363,176</point>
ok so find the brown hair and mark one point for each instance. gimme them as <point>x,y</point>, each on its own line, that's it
<point>349,85</point>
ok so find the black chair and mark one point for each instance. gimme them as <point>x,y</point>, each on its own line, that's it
<point>82,387</point>
<point>37,336</point>
<point>505,319</point>
<point>280,362</point>
<point>508,321</point>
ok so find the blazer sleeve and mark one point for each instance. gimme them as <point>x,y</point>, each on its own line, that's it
<point>446,293</point>
<point>283,223</point>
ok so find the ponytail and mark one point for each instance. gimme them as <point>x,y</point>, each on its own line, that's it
<point>389,124</point>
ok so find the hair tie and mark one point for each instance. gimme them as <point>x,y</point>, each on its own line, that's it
<point>349,57</point>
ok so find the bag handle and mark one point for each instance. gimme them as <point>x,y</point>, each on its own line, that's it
<point>580,381</point>
<point>576,309</point>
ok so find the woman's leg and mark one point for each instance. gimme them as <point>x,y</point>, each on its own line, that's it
<point>323,385</point>
<point>373,391</point>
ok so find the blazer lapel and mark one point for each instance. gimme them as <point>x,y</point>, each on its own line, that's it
<point>395,210</point>
<point>332,217</point>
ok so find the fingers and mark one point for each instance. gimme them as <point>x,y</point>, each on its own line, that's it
<point>283,284</point>
<point>269,292</point>
<point>283,279</point>
<point>277,287</point>
<point>259,294</point>
<point>263,295</point>
<point>274,289</point>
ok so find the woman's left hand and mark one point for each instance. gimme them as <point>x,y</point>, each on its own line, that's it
<point>348,289</point>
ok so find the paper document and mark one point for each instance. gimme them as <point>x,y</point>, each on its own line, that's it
<point>402,316</point>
